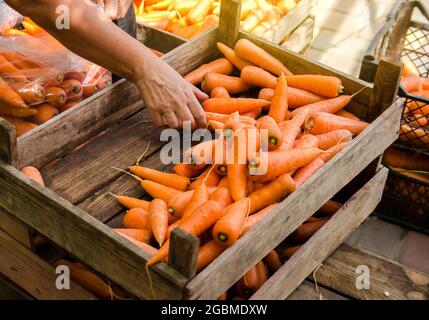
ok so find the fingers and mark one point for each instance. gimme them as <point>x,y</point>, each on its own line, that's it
<point>156,117</point>
<point>197,112</point>
<point>111,8</point>
<point>170,120</point>
<point>201,96</point>
<point>183,114</point>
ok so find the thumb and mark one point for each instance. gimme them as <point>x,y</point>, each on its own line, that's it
<point>201,96</point>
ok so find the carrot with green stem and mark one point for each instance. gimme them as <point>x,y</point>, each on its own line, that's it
<point>208,253</point>
<point>158,216</point>
<point>326,86</point>
<point>232,57</point>
<point>332,138</point>
<point>221,66</point>
<point>272,192</point>
<point>248,51</point>
<point>305,173</point>
<point>280,162</point>
<point>231,105</point>
<point>167,179</point>
<point>228,229</point>
<point>234,85</point>
<point>137,218</point>
<point>9,97</point>
<point>258,77</point>
<point>275,138</point>
<point>279,104</point>
<point>322,122</point>
<point>130,202</point>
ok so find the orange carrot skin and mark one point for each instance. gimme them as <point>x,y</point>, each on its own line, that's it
<point>322,122</point>
<point>45,112</point>
<point>33,174</point>
<point>275,138</point>
<point>296,97</point>
<point>256,217</point>
<point>271,193</point>
<point>142,245</point>
<point>158,216</point>
<point>56,96</point>
<point>21,126</point>
<point>222,196</point>
<point>200,196</point>
<point>289,252</point>
<point>307,230</point>
<point>325,86</point>
<point>208,253</point>
<point>159,191</point>
<point>219,92</point>
<point>332,152</point>
<point>177,204</point>
<point>305,173</point>
<point>222,66</point>
<point>307,141</point>
<point>33,93</point>
<point>332,105</point>
<point>231,105</point>
<point>330,208</point>
<point>279,105</point>
<point>258,77</point>
<point>9,96</point>
<point>142,235</point>
<point>232,57</point>
<point>250,52</point>
<point>233,85</point>
<point>211,181</point>
<point>186,170</point>
<point>272,260</point>
<point>345,114</point>
<point>168,179</point>
<point>332,138</point>
<point>137,218</point>
<point>130,202</point>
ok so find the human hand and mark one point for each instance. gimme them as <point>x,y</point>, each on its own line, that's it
<point>170,99</point>
<point>115,9</point>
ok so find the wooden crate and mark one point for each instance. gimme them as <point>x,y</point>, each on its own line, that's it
<point>302,37</point>
<point>74,211</point>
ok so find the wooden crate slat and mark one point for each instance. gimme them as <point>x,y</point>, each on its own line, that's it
<point>16,229</point>
<point>85,237</point>
<point>307,291</point>
<point>229,21</point>
<point>389,280</point>
<point>158,39</point>
<point>297,208</point>
<point>79,175</point>
<point>32,273</point>
<point>329,237</point>
<point>8,149</point>
<point>183,252</point>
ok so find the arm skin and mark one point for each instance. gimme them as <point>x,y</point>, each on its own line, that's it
<point>92,35</point>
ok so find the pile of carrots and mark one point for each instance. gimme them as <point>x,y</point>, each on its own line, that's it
<point>189,18</point>
<point>218,202</point>
<point>33,90</point>
<point>415,123</point>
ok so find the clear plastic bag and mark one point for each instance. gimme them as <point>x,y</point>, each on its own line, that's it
<point>8,16</point>
<point>40,78</point>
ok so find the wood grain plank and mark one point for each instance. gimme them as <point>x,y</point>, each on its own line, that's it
<point>297,208</point>
<point>32,273</point>
<point>183,253</point>
<point>389,280</point>
<point>307,291</point>
<point>86,238</point>
<point>8,149</point>
<point>158,39</point>
<point>79,175</point>
<point>325,241</point>
<point>229,21</point>
<point>16,229</point>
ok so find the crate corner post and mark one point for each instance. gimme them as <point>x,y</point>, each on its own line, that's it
<point>229,22</point>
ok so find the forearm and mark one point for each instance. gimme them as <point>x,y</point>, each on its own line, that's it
<point>91,35</point>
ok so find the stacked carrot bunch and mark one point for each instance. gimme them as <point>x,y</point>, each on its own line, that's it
<point>189,18</point>
<point>33,88</point>
<point>219,200</point>
<point>415,124</point>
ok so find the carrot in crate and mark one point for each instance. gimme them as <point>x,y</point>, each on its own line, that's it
<point>332,138</point>
<point>326,86</point>
<point>272,260</point>
<point>199,12</point>
<point>322,122</point>
<point>345,114</point>
<point>56,97</point>
<point>210,22</point>
<point>414,135</point>
<point>232,57</point>
<point>306,141</point>
<point>72,88</point>
<point>255,218</point>
<point>7,69</point>
<point>45,112</point>
<point>330,208</point>
<point>220,66</point>
<point>291,129</point>
<point>142,235</point>
<point>186,170</point>
<point>279,105</point>
<point>21,126</point>
<point>33,174</point>
<point>219,92</point>
<point>327,155</point>
<point>130,202</point>
<point>210,177</point>
<point>253,19</point>
<point>290,251</point>
<point>20,60</point>
<point>158,217</point>
<point>296,97</point>
<point>177,204</point>
<point>258,77</point>
<point>208,253</point>
<point>76,75</point>
<point>48,76</point>
<point>231,105</point>
<point>9,97</point>
<point>201,195</point>
<point>159,191</point>
<point>168,179</point>
<point>234,85</point>
<point>305,173</point>
<point>16,112</point>
<point>275,138</point>
<point>69,105</point>
<point>137,218</point>
<point>307,230</point>
<point>31,93</point>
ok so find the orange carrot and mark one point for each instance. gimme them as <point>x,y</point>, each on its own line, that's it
<point>258,77</point>
<point>251,282</point>
<point>411,83</point>
<point>279,105</point>
<point>46,76</point>
<point>425,83</point>
<point>33,174</point>
<point>186,170</point>
<point>332,152</point>
<point>56,96</point>
<point>17,112</point>
<point>72,88</point>
<point>232,57</point>
<point>208,253</point>
<point>281,162</point>
<point>413,135</point>
<point>32,93</point>
<point>272,192</point>
<point>289,252</point>
<point>255,113</point>
<point>305,173</point>
<point>228,229</point>
<point>224,117</point>
<point>199,12</point>
<point>233,85</point>
<point>325,86</point>
<point>406,159</point>
<point>256,217</point>
<point>210,22</point>
<point>222,196</point>
<point>296,97</point>
<point>159,191</point>
<point>329,106</point>
<point>68,105</point>
<point>275,138</point>
<point>219,92</point>
<point>330,208</point>
<point>323,122</point>
<point>9,96</point>
<point>211,181</point>
<point>306,141</point>
<point>223,183</point>
<point>130,203</point>
<point>32,28</point>
<point>201,154</point>
<point>332,138</point>
<point>307,230</point>
<point>167,179</point>
<point>231,105</point>
<point>45,112</point>
<point>346,114</point>
<point>221,66</point>
<point>20,61</point>
<point>137,218</point>
<point>158,216</point>
<point>272,260</point>
<point>21,126</point>
<point>142,235</point>
<point>200,196</point>
<point>262,273</point>
<point>409,68</point>
<point>236,175</point>
<point>9,70</point>
<point>215,125</point>
<point>247,50</point>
